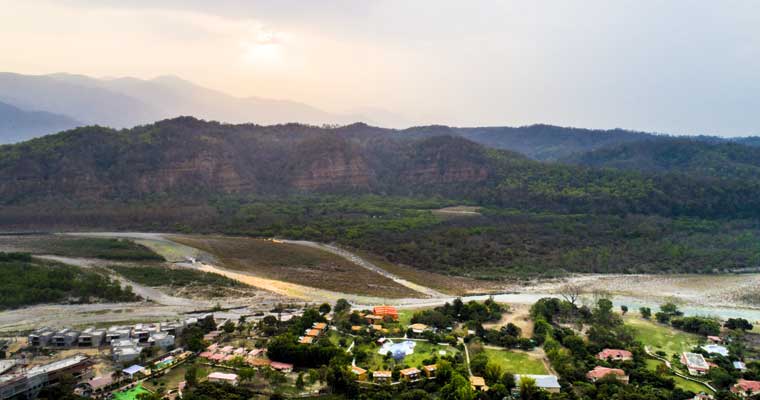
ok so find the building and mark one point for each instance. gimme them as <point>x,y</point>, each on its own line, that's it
<point>715,339</point>
<point>356,328</point>
<point>222,377</point>
<point>386,311</point>
<point>548,383</point>
<point>715,348</point>
<point>118,333</point>
<point>125,350</point>
<point>282,367</point>
<point>359,373</point>
<point>41,337</point>
<point>695,363</point>
<point>745,388</point>
<point>418,328</point>
<point>91,337</point>
<point>702,396</point>
<point>162,340</point>
<point>738,365</point>
<point>614,355</point>
<point>478,383</point>
<point>600,372</point>
<point>306,340</point>
<point>382,376</point>
<point>430,370</point>
<point>133,370</point>
<point>410,374</point>
<point>320,325</point>
<point>313,332</point>
<point>27,383</point>
<point>64,338</point>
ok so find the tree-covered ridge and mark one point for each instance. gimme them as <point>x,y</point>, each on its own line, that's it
<point>27,281</point>
<point>685,156</point>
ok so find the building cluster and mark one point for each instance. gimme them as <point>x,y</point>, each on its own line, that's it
<point>126,342</point>
<point>215,354</point>
<point>311,334</point>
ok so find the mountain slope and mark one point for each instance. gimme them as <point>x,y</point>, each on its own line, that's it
<point>193,160</point>
<point>725,160</point>
<point>17,125</point>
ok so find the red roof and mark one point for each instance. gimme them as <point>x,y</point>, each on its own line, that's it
<point>385,310</point>
<point>281,365</point>
<point>206,354</point>
<point>600,372</point>
<point>744,386</point>
<point>614,353</point>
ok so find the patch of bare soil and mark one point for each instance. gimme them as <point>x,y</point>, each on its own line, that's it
<point>519,314</point>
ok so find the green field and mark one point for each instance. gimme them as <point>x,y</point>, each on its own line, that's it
<point>661,337</point>
<point>130,394</point>
<point>516,362</point>
<point>684,384</point>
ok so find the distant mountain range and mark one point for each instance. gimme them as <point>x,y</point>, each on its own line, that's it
<point>127,102</point>
<point>17,125</point>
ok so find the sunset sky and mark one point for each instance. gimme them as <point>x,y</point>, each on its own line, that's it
<point>667,66</point>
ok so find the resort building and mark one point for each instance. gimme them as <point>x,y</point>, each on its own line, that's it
<point>716,349</point>
<point>410,374</point>
<point>222,377</point>
<point>359,373</point>
<point>600,372</point>
<point>478,383</point>
<point>548,383</point>
<point>386,311</point>
<point>695,363</point>
<point>430,370</point>
<point>27,383</point>
<point>614,355</point>
<point>382,376</point>
<point>745,388</point>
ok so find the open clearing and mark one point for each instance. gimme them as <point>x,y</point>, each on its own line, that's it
<point>518,314</point>
<point>684,384</point>
<point>661,337</point>
<point>516,362</point>
<point>296,264</point>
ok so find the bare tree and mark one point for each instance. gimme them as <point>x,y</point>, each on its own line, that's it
<point>571,292</point>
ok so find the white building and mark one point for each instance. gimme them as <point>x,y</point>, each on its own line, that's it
<point>232,379</point>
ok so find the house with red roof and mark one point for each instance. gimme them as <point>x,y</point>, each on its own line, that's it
<point>614,355</point>
<point>600,372</point>
<point>745,388</point>
<point>386,311</point>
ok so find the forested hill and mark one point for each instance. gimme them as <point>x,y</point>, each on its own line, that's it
<point>724,160</point>
<point>194,160</point>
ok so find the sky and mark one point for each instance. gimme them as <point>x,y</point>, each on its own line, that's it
<point>680,67</point>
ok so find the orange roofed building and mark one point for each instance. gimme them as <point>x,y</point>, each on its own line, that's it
<point>386,311</point>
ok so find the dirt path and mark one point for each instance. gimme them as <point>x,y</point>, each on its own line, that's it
<point>368,265</point>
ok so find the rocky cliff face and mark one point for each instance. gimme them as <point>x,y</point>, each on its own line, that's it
<point>194,159</point>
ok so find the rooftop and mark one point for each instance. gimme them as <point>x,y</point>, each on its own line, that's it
<point>542,381</point>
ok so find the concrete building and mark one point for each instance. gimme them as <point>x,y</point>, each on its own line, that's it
<point>125,350</point>
<point>162,340</point>
<point>29,382</point>
<point>91,337</point>
<point>41,337</point>
<point>117,332</point>
<point>221,377</point>
<point>65,338</point>
<point>695,363</point>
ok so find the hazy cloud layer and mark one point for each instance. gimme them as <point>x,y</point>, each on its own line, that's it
<point>669,66</point>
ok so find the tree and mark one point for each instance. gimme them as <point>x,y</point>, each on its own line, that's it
<point>571,292</point>
<point>229,327</point>
<point>457,389</point>
<point>528,389</point>
<point>324,309</point>
<point>246,374</point>
<point>341,306</point>
<point>738,323</point>
<point>299,381</point>
<point>191,376</point>
<point>492,373</point>
<point>645,312</point>
<point>624,309</point>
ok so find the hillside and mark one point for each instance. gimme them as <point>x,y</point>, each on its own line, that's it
<point>17,125</point>
<point>720,159</point>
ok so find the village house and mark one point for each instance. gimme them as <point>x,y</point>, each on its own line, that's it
<point>430,370</point>
<point>715,339</point>
<point>548,383</point>
<point>695,363</point>
<point>356,328</point>
<point>91,337</point>
<point>745,388</point>
<point>306,340</point>
<point>313,332</point>
<point>410,374</point>
<point>386,311</point>
<point>600,372</point>
<point>478,384</point>
<point>282,367</point>
<point>702,396</point>
<point>739,366</point>
<point>222,377</point>
<point>382,376</point>
<point>614,355</point>
<point>359,373</point>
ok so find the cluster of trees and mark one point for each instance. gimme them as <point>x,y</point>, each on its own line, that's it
<point>27,281</point>
<point>457,311</point>
<point>670,314</point>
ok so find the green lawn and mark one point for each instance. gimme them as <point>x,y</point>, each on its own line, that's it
<point>422,351</point>
<point>661,337</point>
<point>516,362</point>
<point>684,384</point>
<point>130,394</point>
